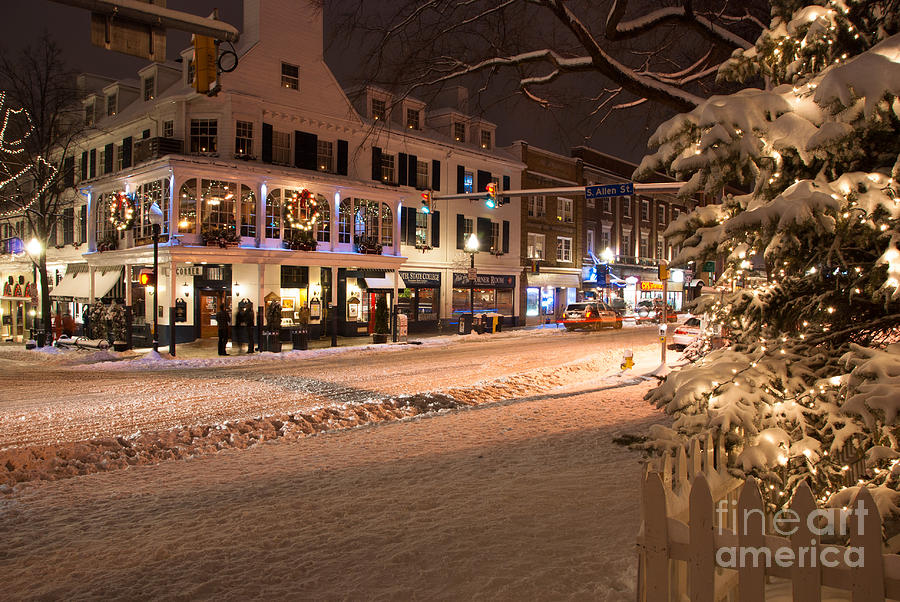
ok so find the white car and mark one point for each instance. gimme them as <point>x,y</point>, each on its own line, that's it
<point>686,333</point>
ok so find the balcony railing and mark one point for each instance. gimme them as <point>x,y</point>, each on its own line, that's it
<point>154,148</point>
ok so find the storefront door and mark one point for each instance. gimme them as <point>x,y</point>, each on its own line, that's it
<point>209,305</point>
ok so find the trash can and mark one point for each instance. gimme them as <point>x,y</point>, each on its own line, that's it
<point>270,342</point>
<point>40,337</point>
<point>465,323</point>
<point>300,339</point>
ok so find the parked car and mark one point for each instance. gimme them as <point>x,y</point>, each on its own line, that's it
<point>648,309</point>
<point>686,333</point>
<point>590,315</point>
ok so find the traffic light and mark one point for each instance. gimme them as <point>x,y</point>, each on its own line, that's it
<point>663,271</point>
<point>204,63</point>
<point>426,201</point>
<point>147,278</point>
<point>491,200</point>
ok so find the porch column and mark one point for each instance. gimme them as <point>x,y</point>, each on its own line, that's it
<point>397,215</point>
<point>91,221</point>
<point>129,316</point>
<point>91,293</point>
<point>335,202</point>
<point>261,221</point>
<point>261,301</point>
<point>172,285</point>
<point>174,207</point>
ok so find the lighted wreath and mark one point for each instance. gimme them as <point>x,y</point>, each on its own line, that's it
<point>301,210</point>
<point>121,211</point>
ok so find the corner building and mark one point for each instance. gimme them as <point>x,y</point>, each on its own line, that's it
<point>282,142</point>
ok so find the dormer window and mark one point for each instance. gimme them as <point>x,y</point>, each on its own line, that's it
<point>412,119</point>
<point>459,132</point>
<point>149,92</point>
<point>111,105</point>
<point>290,76</point>
<point>190,72</point>
<point>485,139</point>
<point>379,109</point>
<point>89,114</point>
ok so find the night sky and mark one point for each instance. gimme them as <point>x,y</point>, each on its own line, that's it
<point>25,20</point>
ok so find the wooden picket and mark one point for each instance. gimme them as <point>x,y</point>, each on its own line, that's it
<point>692,510</point>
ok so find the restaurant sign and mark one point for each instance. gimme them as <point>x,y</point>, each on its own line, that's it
<point>421,279</point>
<point>651,286</point>
<point>461,280</point>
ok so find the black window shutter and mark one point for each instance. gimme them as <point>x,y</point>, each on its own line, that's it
<point>404,225</point>
<point>506,198</point>
<point>460,179</point>
<point>376,163</point>
<point>410,225</point>
<point>126,152</point>
<point>69,173</point>
<point>92,170</point>
<point>266,153</point>
<point>484,178</point>
<point>435,175</point>
<point>505,236</point>
<point>460,231</point>
<point>108,158</point>
<point>305,150</point>
<point>84,165</point>
<point>401,169</point>
<point>82,225</point>
<point>413,177</point>
<point>484,234</point>
<point>343,153</point>
<point>436,229</point>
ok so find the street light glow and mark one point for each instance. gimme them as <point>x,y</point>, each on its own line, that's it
<point>472,243</point>
<point>34,247</point>
<point>607,255</point>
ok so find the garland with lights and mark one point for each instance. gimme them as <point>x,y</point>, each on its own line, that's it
<point>301,210</point>
<point>121,211</point>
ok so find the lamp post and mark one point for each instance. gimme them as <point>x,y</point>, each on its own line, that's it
<point>34,248</point>
<point>156,219</point>
<point>471,249</point>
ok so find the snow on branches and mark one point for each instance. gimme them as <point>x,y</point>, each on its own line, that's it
<point>809,388</point>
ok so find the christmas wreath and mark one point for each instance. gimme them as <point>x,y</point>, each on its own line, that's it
<point>121,211</point>
<point>301,210</point>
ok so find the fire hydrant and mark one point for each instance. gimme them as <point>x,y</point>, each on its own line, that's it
<point>628,360</point>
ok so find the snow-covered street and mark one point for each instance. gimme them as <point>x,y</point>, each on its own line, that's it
<point>517,491</point>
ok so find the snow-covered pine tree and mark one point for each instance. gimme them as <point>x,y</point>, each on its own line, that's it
<point>811,381</point>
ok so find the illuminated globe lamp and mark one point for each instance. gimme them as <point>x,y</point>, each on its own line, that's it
<point>472,248</point>
<point>156,220</point>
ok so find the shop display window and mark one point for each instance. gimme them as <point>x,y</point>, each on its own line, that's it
<point>532,301</point>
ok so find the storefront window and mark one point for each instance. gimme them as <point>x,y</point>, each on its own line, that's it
<point>248,211</point>
<point>548,300</point>
<point>532,301</point>
<point>323,228</point>
<point>218,200</point>
<point>344,221</point>
<point>187,213</point>
<point>426,303</point>
<point>273,214</point>
<point>387,226</point>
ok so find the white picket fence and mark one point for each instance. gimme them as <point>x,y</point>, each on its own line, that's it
<point>682,534</point>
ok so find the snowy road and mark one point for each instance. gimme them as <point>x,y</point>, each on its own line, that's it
<point>525,499</point>
<point>52,401</point>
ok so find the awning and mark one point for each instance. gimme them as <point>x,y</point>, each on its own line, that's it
<point>78,286</point>
<point>555,280</point>
<point>384,283</point>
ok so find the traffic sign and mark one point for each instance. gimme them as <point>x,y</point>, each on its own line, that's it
<point>608,190</point>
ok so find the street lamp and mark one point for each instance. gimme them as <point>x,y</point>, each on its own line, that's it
<point>34,248</point>
<point>156,219</point>
<point>471,249</point>
<point>607,255</point>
